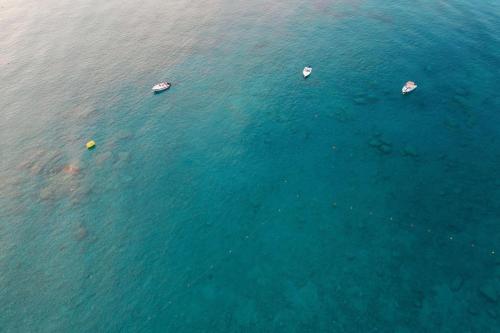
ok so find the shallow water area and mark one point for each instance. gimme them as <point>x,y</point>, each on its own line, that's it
<point>246,198</point>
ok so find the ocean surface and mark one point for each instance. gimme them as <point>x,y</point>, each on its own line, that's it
<point>245,198</point>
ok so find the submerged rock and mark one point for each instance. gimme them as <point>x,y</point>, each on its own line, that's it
<point>461,91</point>
<point>472,309</point>
<point>124,156</point>
<point>460,101</point>
<point>51,162</point>
<point>360,100</point>
<point>492,313</point>
<point>409,151</point>
<point>81,234</point>
<point>380,144</point>
<point>385,149</point>
<point>375,142</point>
<point>418,303</point>
<point>457,283</point>
<point>489,291</point>
<point>123,135</point>
<point>350,256</point>
<point>344,115</point>
<point>36,169</point>
<point>372,99</point>
<point>71,170</point>
<point>83,113</point>
<point>47,193</point>
<point>451,123</point>
<point>102,158</point>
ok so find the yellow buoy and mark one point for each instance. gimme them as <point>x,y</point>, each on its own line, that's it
<point>90,144</point>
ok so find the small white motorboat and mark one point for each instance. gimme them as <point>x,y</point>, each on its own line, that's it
<point>409,87</point>
<point>307,71</point>
<point>161,86</point>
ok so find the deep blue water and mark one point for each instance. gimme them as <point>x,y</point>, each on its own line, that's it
<point>245,198</point>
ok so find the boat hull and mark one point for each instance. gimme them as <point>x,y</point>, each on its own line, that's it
<point>161,87</point>
<point>407,90</point>
<point>306,72</point>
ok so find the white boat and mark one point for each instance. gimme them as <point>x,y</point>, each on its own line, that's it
<point>409,87</point>
<point>307,71</point>
<point>161,86</point>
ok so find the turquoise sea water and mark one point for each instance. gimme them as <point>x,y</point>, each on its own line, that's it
<point>245,198</point>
